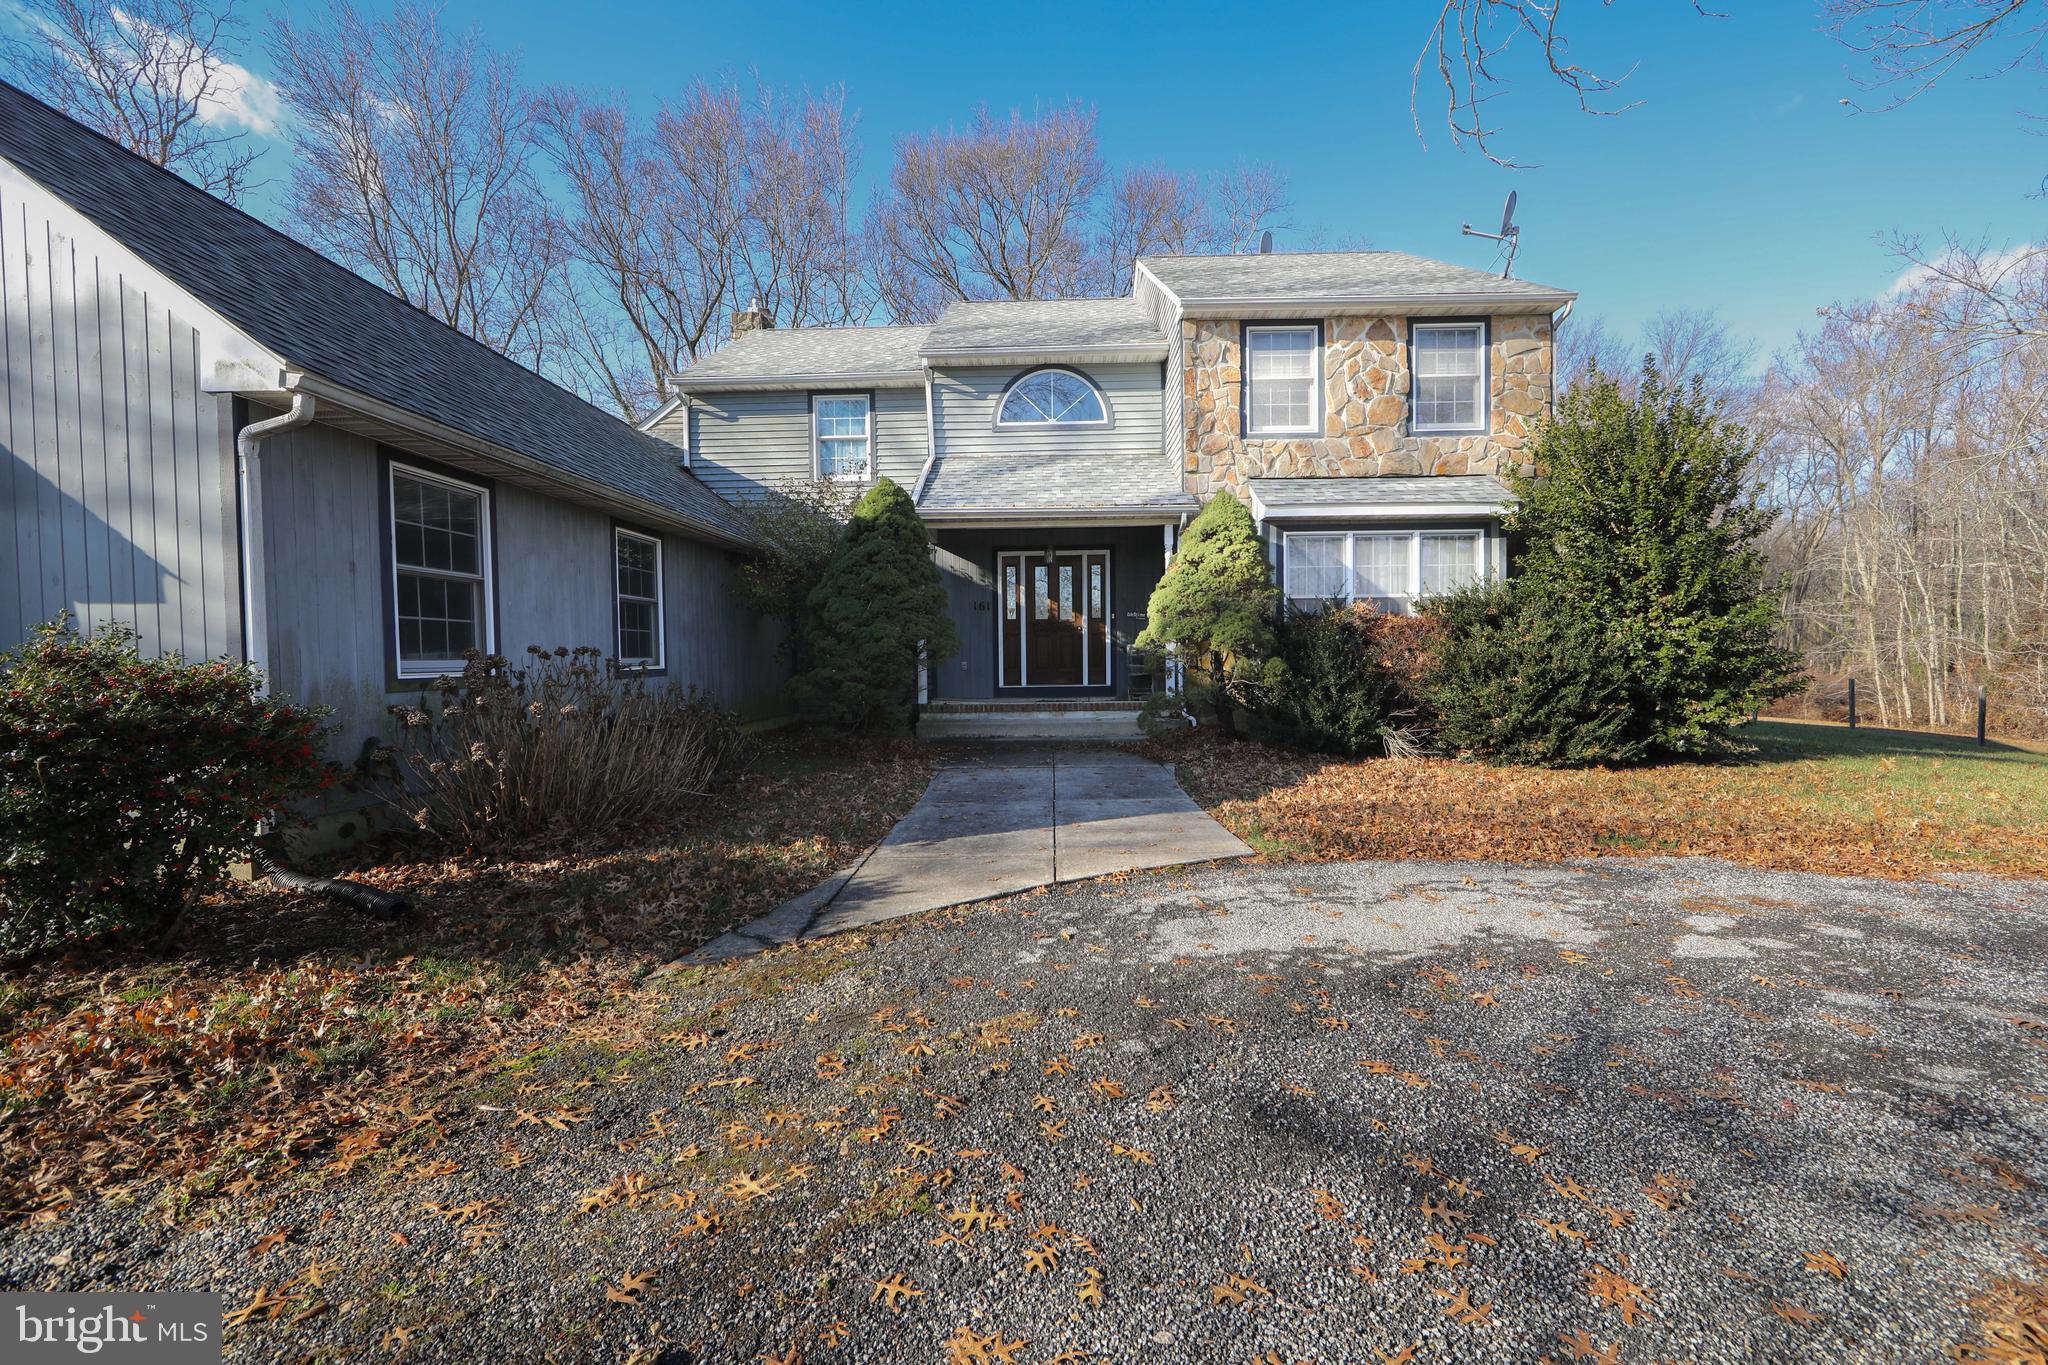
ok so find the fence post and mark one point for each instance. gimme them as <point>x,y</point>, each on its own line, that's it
<point>1980,715</point>
<point>1852,703</point>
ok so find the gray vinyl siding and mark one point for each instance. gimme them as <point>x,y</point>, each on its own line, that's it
<point>553,586</point>
<point>1166,317</point>
<point>118,482</point>
<point>743,443</point>
<point>967,565</point>
<point>964,406</point>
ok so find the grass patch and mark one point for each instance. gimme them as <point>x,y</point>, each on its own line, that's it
<point>1807,797</point>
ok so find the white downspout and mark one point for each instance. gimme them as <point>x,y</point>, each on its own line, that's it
<point>931,443</point>
<point>249,483</point>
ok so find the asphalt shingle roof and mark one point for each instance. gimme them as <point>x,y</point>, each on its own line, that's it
<point>1388,490</point>
<point>325,319</point>
<point>789,353</point>
<point>1315,275</point>
<point>1036,481</point>
<point>1054,324</point>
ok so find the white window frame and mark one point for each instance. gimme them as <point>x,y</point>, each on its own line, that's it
<point>1406,601</point>
<point>1314,426</point>
<point>659,661</point>
<point>1003,402</point>
<point>486,580</point>
<point>867,401</point>
<point>1483,408</point>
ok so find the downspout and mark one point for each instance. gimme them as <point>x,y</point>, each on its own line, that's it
<point>931,442</point>
<point>249,483</point>
<point>270,856</point>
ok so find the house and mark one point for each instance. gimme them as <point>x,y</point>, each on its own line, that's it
<point>244,449</point>
<point>1365,405</point>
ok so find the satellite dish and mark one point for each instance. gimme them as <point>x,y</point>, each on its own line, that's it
<point>1266,242</point>
<point>1509,236</point>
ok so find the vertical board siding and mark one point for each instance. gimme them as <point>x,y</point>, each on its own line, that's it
<point>118,479</point>
<point>965,400</point>
<point>744,443</point>
<point>553,577</point>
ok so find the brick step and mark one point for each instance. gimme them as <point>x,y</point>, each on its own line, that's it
<point>947,707</point>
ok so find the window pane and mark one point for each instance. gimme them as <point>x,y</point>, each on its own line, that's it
<point>1040,606</point>
<point>1447,351</point>
<point>1073,399</point>
<point>438,618</point>
<point>636,631</point>
<point>1450,562</point>
<point>843,459</point>
<point>1379,566</point>
<point>1315,570</point>
<point>436,527</point>
<point>637,573</point>
<point>1012,590</point>
<point>1447,402</point>
<point>1095,592</point>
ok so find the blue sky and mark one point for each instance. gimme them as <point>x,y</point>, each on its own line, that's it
<point>1739,182</point>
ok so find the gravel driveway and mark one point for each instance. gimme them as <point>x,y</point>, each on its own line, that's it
<point>1622,1111</point>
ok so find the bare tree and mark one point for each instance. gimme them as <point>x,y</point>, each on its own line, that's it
<point>1245,200</point>
<point>722,200</point>
<point>1906,450</point>
<point>1585,346</point>
<point>1149,210</point>
<point>156,76</point>
<point>1911,44</point>
<point>1001,210</point>
<point>416,166</point>
<point>1469,45</point>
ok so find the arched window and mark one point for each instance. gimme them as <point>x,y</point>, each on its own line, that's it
<point>1052,398</point>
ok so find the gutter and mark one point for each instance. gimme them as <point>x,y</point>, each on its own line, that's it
<point>747,383</point>
<point>249,507</point>
<point>1401,303</point>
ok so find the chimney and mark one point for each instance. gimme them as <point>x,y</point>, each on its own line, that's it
<point>752,318</point>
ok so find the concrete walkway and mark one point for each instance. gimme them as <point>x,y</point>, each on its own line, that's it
<point>999,820</point>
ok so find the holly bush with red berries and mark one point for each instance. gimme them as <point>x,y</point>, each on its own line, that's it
<point>129,784</point>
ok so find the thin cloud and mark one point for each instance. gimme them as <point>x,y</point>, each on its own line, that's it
<point>1990,266</point>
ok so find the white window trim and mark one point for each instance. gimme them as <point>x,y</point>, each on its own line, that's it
<point>1484,422</point>
<point>486,559</point>
<point>660,660</point>
<point>817,446</point>
<point>1003,402</point>
<point>1315,380</point>
<point>1414,535</point>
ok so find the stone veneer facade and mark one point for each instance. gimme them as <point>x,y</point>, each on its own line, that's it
<point>1365,406</point>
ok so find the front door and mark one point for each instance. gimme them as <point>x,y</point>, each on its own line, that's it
<point>1055,627</point>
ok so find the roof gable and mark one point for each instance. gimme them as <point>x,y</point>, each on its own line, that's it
<point>323,318</point>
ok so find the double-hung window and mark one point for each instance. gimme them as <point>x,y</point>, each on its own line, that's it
<point>636,570</point>
<point>440,571</point>
<point>1450,377</point>
<point>1282,374</point>
<point>1391,570</point>
<point>841,430</point>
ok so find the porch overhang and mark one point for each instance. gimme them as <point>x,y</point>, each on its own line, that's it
<point>996,518</point>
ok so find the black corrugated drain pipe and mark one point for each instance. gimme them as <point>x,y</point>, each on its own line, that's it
<point>276,866</point>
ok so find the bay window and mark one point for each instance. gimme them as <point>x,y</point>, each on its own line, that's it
<point>1390,570</point>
